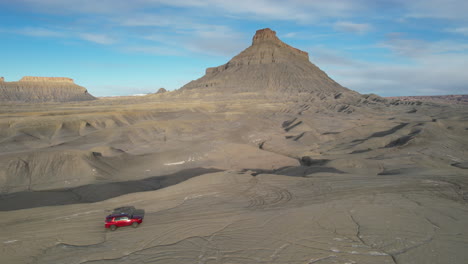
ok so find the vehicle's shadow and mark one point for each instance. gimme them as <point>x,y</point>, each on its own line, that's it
<point>94,192</point>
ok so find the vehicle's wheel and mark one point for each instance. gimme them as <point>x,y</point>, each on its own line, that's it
<point>113,227</point>
<point>135,224</point>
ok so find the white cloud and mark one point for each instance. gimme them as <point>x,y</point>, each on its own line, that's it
<point>202,38</point>
<point>294,10</point>
<point>34,32</point>
<point>62,33</point>
<point>428,72</point>
<point>40,32</point>
<point>443,9</point>
<point>419,48</point>
<point>400,80</point>
<point>144,20</point>
<point>321,55</point>
<point>352,27</point>
<point>79,6</point>
<point>97,38</point>
<point>289,35</point>
<point>216,41</point>
<point>154,50</point>
<point>459,30</point>
<point>414,67</point>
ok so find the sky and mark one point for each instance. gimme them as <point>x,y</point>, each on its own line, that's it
<point>125,47</point>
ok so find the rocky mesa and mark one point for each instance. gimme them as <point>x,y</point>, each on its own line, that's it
<point>43,89</point>
<point>271,68</point>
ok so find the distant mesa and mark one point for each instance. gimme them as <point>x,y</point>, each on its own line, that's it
<point>43,89</point>
<point>161,90</point>
<point>271,67</point>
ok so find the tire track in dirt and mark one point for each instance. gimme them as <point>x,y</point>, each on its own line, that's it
<point>262,195</point>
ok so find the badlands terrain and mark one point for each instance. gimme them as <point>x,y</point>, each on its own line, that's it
<point>263,160</point>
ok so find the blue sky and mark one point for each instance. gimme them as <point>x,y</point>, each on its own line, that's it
<point>117,47</point>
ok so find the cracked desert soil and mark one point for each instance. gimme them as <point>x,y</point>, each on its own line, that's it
<point>283,187</point>
<point>230,217</point>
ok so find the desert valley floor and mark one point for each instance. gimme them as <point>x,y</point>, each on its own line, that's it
<point>247,181</point>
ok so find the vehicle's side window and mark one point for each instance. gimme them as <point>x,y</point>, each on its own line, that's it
<point>118,218</point>
<point>124,218</point>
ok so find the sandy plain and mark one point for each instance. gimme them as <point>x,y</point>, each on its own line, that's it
<point>233,181</point>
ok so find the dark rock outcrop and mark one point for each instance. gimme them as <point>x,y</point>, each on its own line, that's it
<point>161,90</point>
<point>43,89</point>
<point>442,99</point>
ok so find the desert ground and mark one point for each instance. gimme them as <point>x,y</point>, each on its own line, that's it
<point>263,160</point>
<point>233,182</point>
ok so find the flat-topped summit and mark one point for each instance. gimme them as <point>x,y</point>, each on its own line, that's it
<point>46,79</point>
<point>267,35</point>
<point>43,89</point>
<point>263,35</point>
<point>267,48</point>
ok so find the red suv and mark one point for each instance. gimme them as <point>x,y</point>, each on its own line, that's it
<point>124,216</point>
